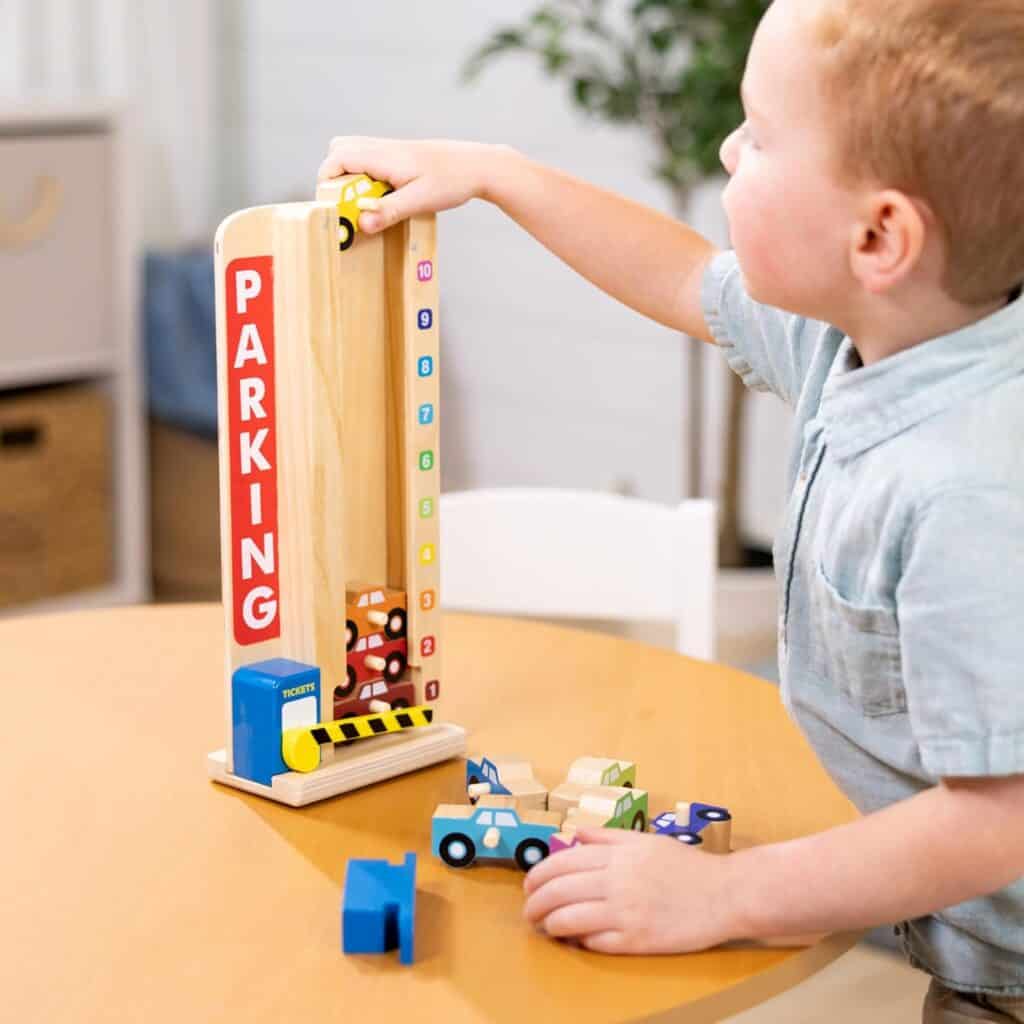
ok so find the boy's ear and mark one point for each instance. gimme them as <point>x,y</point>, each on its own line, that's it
<point>888,240</point>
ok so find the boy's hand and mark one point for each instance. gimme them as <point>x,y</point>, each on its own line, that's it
<point>639,256</point>
<point>633,892</point>
<point>427,175</point>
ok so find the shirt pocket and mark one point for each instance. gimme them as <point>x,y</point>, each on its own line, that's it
<point>860,645</point>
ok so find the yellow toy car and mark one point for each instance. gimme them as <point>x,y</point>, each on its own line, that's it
<point>360,187</point>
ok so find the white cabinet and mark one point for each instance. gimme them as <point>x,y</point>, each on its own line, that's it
<point>56,251</point>
<point>69,295</point>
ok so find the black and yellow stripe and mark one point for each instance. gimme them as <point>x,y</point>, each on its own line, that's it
<point>300,747</point>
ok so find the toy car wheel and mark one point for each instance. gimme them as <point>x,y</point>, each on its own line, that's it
<point>530,852</point>
<point>457,850</point>
<point>473,780</point>
<point>395,626</point>
<point>351,634</point>
<point>394,666</point>
<point>341,692</point>
<point>395,704</point>
<point>639,823</point>
<point>710,815</point>
<point>346,233</point>
<point>627,784</point>
<point>688,838</point>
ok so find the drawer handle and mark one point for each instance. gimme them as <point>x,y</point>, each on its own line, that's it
<point>39,221</point>
<point>26,436</point>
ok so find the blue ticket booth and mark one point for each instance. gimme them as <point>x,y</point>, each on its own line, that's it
<point>268,697</point>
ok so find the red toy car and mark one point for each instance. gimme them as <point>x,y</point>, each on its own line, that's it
<point>373,657</point>
<point>398,695</point>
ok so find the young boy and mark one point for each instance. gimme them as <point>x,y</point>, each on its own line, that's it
<point>876,205</point>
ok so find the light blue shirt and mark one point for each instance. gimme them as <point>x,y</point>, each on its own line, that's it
<point>900,566</point>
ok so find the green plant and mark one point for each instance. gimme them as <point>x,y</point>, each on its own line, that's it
<point>673,66</point>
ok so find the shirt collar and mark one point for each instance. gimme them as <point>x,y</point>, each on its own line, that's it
<point>861,406</point>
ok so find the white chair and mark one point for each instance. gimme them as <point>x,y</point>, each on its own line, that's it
<point>581,554</point>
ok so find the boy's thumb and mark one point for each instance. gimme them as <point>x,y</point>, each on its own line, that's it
<point>378,214</point>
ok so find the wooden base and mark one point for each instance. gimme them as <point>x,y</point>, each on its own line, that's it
<point>361,764</point>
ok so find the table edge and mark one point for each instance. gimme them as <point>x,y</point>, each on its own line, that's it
<point>753,991</point>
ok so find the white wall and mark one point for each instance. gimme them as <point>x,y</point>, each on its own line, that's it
<point>546,380</point>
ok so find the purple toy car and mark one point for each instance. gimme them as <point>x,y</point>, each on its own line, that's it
<point>701,815</point>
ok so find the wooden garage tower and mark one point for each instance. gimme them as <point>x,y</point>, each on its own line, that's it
<point>329,462</point>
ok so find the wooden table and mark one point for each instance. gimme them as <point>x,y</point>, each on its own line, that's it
<point>134,889</point>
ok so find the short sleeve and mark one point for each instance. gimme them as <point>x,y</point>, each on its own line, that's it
<point>959,604</point>
<point>769,348</point>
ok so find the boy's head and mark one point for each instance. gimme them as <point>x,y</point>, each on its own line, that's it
<point>881,150</point>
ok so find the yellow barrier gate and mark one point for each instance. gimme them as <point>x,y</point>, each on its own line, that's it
<point>300,747</point>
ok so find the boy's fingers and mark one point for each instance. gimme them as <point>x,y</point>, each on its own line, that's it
<point>580,887</point>
<point>345,155</point>
<point>333,166</point>
<point>605,942</point>
<point>609,836</point>
<point>579,919</point>
<point>395,206</point>
<point>382,159</point>
<point>565,862</point>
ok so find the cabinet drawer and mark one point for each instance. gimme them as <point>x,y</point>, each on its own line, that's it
<point>56,248</point>
<point>56,500</point>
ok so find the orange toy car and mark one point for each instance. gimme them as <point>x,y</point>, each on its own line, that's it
<point>374,609</point>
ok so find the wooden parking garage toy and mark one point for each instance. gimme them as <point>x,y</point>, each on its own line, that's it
<point>328,377</point>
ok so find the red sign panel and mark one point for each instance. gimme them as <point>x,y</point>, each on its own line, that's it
<point>252,436</point>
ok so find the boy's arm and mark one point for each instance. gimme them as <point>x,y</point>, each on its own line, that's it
<point>962,839</point>
<point>643,258</point>
<point>624,892</point>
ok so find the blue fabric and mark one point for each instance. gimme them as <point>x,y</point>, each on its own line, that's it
<point>901,572</point>
<point>180,330</point>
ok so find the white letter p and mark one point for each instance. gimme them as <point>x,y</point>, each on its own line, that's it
<point>247,286</point>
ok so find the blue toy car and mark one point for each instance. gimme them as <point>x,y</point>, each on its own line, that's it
<point>484,770</point>
<point>492,829</point>
<point>701,815</point>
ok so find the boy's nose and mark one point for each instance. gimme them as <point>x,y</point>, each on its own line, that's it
<point>727,151</point>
